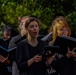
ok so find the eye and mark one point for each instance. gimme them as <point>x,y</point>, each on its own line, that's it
<point>31,26</point>
<point>36,26</point>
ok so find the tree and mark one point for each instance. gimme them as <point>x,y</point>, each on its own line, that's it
<point>44,10</point>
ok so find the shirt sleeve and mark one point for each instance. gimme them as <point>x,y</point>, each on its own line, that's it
<point>21,57</point>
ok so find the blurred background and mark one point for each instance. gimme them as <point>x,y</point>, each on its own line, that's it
<point>44,10</point>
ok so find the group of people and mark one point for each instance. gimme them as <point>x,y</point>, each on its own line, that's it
<point>26,59</point>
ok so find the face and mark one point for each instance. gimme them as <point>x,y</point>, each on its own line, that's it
<point>62,31</point>
<point>33,29</point>
<point>6,35</point>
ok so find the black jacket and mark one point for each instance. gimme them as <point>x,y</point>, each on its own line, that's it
<point>22,56</point>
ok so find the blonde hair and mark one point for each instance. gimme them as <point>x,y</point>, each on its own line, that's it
<point>62,23</point>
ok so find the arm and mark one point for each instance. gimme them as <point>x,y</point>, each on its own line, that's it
<point>4,60</point>
<point>35,59</point>
<point>22,59</point>
<point>11,43</point>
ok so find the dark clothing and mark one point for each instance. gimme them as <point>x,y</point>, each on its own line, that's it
<point>12,44</point>
<point>24,52</point>
<point>4,43</point>
<point>3,67</point>
<point>64,65</point>
<point>13,63</point>
<point>13,40</point>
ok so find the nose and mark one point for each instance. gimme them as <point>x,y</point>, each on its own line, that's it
<point>35,27</point>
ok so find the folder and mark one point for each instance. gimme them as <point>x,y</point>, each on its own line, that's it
<point>4,51</point>
<point>52,49</point>
<point>47,37</point>
<point>64,42</point>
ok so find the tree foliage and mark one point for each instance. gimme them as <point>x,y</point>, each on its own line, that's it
<point>44,10</point>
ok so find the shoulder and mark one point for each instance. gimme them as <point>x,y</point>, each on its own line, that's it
<point>15,38</point>
<point>23,42</point>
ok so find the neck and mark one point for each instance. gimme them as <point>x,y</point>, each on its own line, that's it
<point>32,41</point>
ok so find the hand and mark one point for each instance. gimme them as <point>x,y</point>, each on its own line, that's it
<point>4,60</point>
<point>69,53</point>
<point>74,53</point>
<point>50,59</point>
<point>48,53</point>
<point>35,59</point>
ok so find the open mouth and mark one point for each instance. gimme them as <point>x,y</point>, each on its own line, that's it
<point>35,33</point>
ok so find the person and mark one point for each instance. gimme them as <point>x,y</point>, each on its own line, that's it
<point>21,30</point>
<point>60,27</point>
<point>6,33</point>
<point>3,65</point>
<point>63,65</point>
<point>4,61</point>
<point>12,43</point>
<point>28,60</point>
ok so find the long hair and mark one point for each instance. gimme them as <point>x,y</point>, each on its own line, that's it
<point>63,23</point>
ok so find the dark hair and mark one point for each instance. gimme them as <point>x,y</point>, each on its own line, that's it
<point>6,28</point>
<point>31,19</point>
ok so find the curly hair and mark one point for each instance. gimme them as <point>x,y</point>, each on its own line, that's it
<point>62,23</point>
